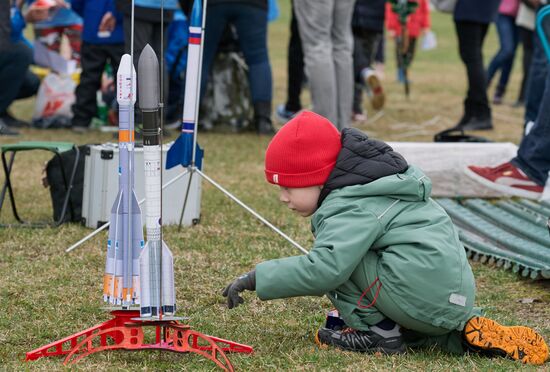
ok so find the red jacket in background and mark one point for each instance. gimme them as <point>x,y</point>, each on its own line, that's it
<point>416,22</point>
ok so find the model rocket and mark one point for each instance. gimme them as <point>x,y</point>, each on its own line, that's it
<point>125,242</point>
<point>156,262</point>
<point>181,151</point>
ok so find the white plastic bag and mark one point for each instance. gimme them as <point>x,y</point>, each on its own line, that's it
<point>429,41</point>
<point>55,97</point>
<point>445,6</point>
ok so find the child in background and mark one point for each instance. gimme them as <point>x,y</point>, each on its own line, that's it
<point>386,255</point>
<point>102,43</point>
<point>62,21</point>
<point>417,23</point>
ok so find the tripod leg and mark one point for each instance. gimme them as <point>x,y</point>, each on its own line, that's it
<point>186,197</point>
<point>250,210</point>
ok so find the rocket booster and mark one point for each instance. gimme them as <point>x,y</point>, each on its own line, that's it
<point>182,150</point>
<point>156,261</point>
<point>125,241</point>
<point>193,63</point>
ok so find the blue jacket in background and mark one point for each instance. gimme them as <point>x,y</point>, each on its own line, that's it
<point>168,4</point>
<point>175,55</point>
<point>62,17</point>
<point>369,15</point>
<point>92,11</point>
<point>480,11</point>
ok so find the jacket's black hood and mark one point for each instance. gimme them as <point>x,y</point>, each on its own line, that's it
<point>360,161</point>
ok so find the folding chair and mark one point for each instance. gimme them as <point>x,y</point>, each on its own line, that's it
<point>543,28</point>
<point>57,148</point>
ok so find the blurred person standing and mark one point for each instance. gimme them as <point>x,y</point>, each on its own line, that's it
<point>538,70</point>
<point>472,19</point>
<point>508,36</point>
<point>102,43</point>
<point>418,22</point>
<point>295,72</point>
<point>525,21</point>
<point>15,57</point>
<point>368,30</point>
<point>327,41</point>
<point>250,19</point>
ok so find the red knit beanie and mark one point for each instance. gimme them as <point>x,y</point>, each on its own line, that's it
<point>303,152</point>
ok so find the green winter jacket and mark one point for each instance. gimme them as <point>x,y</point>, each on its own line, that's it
<point>419,259</point>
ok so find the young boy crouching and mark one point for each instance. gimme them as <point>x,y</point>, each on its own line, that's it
<point>386,255</point>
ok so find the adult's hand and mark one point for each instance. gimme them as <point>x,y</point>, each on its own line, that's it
<point>108,22</point>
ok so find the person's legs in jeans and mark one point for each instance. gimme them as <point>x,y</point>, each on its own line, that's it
<point>533,156</point>
<point>14,63</point>
<point>342,51</point>
<point>295,67</point>
<point>315,19</point>
<point>216,21</point>
<point>536,81</point>
<point>93,63</point>
<point>470,39</point>
<point>505,25</point>
<point>251,25</point>
<point>508,53</point>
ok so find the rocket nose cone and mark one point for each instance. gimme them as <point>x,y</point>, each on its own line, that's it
<point>148,79</point>
<point>125,66</point>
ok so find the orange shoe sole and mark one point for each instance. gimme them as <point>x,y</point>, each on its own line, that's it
<point>519,343</point>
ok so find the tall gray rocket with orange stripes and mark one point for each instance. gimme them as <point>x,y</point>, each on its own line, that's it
<point>125,242</point>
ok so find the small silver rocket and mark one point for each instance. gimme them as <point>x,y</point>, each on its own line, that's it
<point>156,261</point>
<point>125,241</point>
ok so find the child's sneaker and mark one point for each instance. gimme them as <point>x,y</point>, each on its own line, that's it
<point>377,339</point>
<point>518,343</point>
<point>377,96</point>
<point>506,178</point>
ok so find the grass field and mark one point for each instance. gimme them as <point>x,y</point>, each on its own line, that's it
<point>47,294</point>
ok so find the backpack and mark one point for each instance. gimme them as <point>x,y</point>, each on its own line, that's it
<point>57,187</point>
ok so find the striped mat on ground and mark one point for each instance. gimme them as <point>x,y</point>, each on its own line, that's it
<point>508,233</point>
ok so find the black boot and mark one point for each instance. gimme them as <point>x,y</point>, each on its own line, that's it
<point>262,118</point>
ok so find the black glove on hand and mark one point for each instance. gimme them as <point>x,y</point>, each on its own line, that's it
<point>232,291</point>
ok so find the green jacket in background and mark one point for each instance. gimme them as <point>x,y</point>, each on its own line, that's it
<point>390,226</point>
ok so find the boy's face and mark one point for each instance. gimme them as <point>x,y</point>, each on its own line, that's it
<point>301,200</point>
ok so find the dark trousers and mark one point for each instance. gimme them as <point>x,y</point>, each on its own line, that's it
<point>508,35</point>
<point>296,73</point>
<point>537,80</point>
<point>365,46</point>
<point>146,32</point>
<point>15,78</point>
<point>526,38</point>
<point>93,60</point>
<point>533,154</point>
<point>471,36</point>
<point>409,55</point>
<point>251,25</point>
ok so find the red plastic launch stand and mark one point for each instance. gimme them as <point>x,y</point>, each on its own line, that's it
<point>124,332</point>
